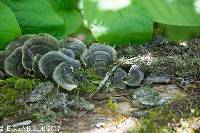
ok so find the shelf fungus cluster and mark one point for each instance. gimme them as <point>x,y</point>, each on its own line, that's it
<point>99,57</point>
<point>2,58</point>
<point>121,79</point>
<point>43,55</point>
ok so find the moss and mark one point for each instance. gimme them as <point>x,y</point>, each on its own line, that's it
<point>88,88</point>
<point>89,73</point>
<point>158,119</point>
<point>19,83</point>
<point>13,90</point>
<point>8,103</point>
<point>89,81</point>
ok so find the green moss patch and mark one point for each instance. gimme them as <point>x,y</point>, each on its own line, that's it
<point>12,92</point>
<point>89,81</point>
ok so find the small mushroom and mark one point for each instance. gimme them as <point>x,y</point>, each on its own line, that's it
<point>116,79</point>
<point>13,63</point>
<point>135,76</point>
<point>18,43</point>
<point>68,52</point>
<point>50,60</point>
<point>63,76</point>
<point>40,44</point>
<point>99,56</point>
<point>75,45</point>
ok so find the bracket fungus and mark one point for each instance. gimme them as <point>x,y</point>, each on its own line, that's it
<point>116,79</point>
<point>44,56</point>
<point>3,56</point>
<point>63,76</point>
<point>35,67</point>
<point>13,63</point>
<point>106,48</point>
<point>18,43</point>
<point>100,68</point>
<point>135,76</point>
<point>50,60</point>
<point>1,75</point>
<point>40,44</point>
<point>73,44</point>
<point>67,52</point>
<point>99,56</point>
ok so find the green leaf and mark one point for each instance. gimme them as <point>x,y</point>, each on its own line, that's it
<point>9,28</point>
<point>64,4</point>
<point>120,24</point>
<point>177,33</point>
<point>173,12</point>
<point>72,19</point>
<point>85,35</point>
<point>36,16</point>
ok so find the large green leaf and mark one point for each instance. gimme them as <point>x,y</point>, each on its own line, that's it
<point>173,12</point>
<point>177,33</point>
<point>64,4</point>
<point>9,28</point>
<point>72,19</point>
<point>36,16</point>
<point>117,24</point>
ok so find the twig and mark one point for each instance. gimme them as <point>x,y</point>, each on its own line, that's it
<point>106,79</point>
<point>82,113</point>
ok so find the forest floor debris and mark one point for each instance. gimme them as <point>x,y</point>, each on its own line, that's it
<point>172,73</point>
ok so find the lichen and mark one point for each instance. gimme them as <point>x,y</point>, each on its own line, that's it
<point>12,92</point>
<point>147,96</point>
<point>183,66</point>
<point>169,59</point>
<point>187,66</point>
